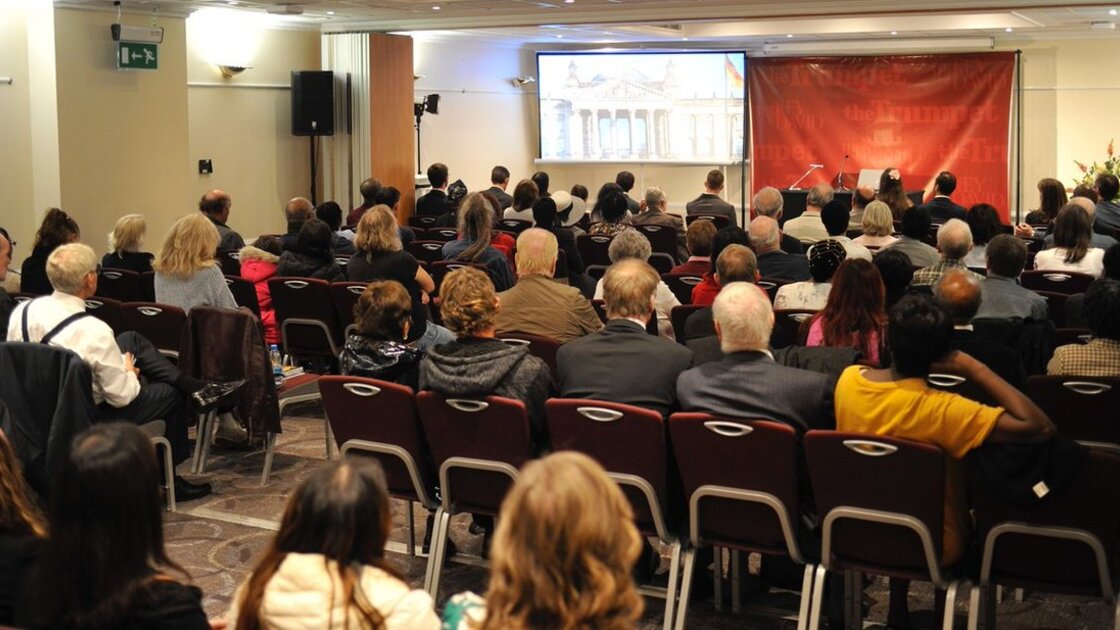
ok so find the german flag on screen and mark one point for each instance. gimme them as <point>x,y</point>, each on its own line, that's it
<point>733,77</point>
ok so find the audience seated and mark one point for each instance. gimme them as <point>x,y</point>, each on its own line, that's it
<point>297,212</point>
<point>709,202</point>
<point>1101,356</point>
<point>525,196</point>
<point>22,529</point>
<point>705,293</point>
<point>824,259</point>
<point>368,189</point>
<point>580,192</point>
<point>538,304</point>
<point>1075,304</point>
<point>861,196</point>
<point>104,564</point>
<point>604,191</point>
<point>6,301</point>
<point>835,217</point>
<point>893,193</point>
<point>502,241</point>
<point>216,204</point>
<point>747,383</point>
<point>124,245</point>
<point>1051,198</point>
<point>960,296</point>
<point>311,256</point>
<point>983,220</point>
<point>1097,239</point>
<point>330,212</point>
<point>1108,210</point>
<point>655,211</point>
<point>698,242</point>
<point>326,568</point>
<point>772,261</point>
<point>258,265</point>
<point>476,228</point>
<point>768,202</point>
<point>736,263</point>
<point>897,402</point>
<point>56,229</point>
<point>897,271</point>
<point>855,313</point>
<point>562,555</point>
<point>377,348</point>
<point>625,181</point>
<point>389,197</point>
<point>954,239</point>
<point>915,226</point>
<point>633,244</point>
<point>186,273</point>
<point>547,216</point>
<point>942,208</point>
<point>1002,296</point>
<point>622,363</point>
<point>1073,249</point>
<point>436,202</point>
<point>877,226</point>
<point>540,178</point>
<point>615,213</point>
<point>499,181</point>
<point>808,228</point>
<point>380,257</point>
<point>478,364</point>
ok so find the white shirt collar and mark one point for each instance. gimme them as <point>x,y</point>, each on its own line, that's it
<point>70,301</point>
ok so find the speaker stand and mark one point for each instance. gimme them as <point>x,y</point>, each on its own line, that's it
<point>314,173</point>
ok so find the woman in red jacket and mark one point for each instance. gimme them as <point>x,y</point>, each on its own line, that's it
<point>258,265</point>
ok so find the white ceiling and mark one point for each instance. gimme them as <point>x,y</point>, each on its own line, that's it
<point>743,22</point>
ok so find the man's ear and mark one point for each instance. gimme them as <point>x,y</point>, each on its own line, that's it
<point>719,333</point>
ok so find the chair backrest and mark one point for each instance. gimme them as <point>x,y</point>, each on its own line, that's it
<point>791,326</point>
<point>20,296</point>
<point>148,286</point>
<point>368,409</point>
<point>593,249</point>
<point>230,261</point>
<point>306,317</point>
<point>961,386</point>
<point>344,296</point>
<point>561,272</point>
<point>1055,306</point>
<point>490,428</point>
<point>426,251</point>
<point>662,238</point>
<point>1087,505</point>
<point>244,293</point>
<point>1083,408</point>
<point>661,262</point>
<point>544,348</point>
<point>119,284</point>
<point>1067,282</point>
<point>161,324</point>
<point>1067,336</point>
<point>679,316</point>
<point>717,220</point>
<point>885,475</point>
<point>771,286</point>
<point>440,269</point>
<point>442,234</point>
<point>426,222</point>
<point>624,439</point>
<point>740,455</point>
<point>596,271</point>
<point>514,226</point>
<point>681,284</point>
<point>107,310</point>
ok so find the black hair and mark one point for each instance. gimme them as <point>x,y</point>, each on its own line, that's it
<point>499,174</point>
<point>983,220</point>
<point>728,236</point>
<point>1111,261</point>
<point>579,190</point>
<point>836,215</point>
<point>544,213</point>
<point>387,195</point>
<point>896,270</point>
<point>270,244</point>
<point>918,333</point>
<point>1108,186</point>
<point>1102,308</point>
<point>315,237</point>
<point>330,213</point>
<point>613,207</point>
<point>1007,255</point>
<point>946,182</point>
<point>437,175</point>
<point>625,180</point>
<point>540,178</point>
<point>916,223</point>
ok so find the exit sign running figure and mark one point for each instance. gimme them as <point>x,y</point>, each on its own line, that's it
<point>137,56</point>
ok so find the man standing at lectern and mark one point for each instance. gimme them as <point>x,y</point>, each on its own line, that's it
<point>709,203</point>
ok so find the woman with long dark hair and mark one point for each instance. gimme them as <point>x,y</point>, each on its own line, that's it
<point>525,194</point>
<point>604,191</point>
<point>1073,245</point>
<point>892,192</point>
<point>476,227</point>
<point>326,568</point>
<point>104,565</point>
<point>615,214</point>
<point>855,313</point>
<point>983,220</point>
<point>1051,197</point>
<point>56,229</point>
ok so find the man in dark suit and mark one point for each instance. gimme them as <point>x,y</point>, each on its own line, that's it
<point>297,212</point>
<point>436,202</point>
<point>772,261</point>
<point>625,181</point>
<point>747,383</point>
<point>960,295</point>
<point>768,202</point>
<point>736,263</point>
<point>941,208</point>
<point>499,181</point>
<point>623,363</point>
<point>710,203</point>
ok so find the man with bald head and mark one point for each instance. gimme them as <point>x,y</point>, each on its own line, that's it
<point>959,293</point>
<point>772,261</point>
<point>297,212</point>
<point>215,204</point>
<point>954,239</point>
<point>768,202</point>
<point>368,190</point>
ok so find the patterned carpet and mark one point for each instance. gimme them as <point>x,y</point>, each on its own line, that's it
<point>217,539</point>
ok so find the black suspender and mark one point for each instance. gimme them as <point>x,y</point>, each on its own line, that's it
<point>52,333</point>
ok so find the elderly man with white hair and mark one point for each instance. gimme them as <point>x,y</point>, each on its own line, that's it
<point>773,262</point>
<point>954,239</point>
<point>132,381</point>
<point>538,304</point>
<point>655,211</point>
<point>768,202</point>
<point>634,244</point>
<point>747,383</point>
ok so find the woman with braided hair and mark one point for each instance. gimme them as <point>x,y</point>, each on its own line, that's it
<point>824,259</point>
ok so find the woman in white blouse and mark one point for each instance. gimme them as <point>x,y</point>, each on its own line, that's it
<point>1073,250</point>
<point>811,295</point>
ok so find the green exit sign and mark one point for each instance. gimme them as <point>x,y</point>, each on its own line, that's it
<point>137,56</point>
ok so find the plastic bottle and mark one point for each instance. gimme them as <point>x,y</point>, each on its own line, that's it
<point>277,364</point>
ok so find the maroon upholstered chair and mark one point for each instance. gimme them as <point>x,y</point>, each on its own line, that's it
<point>230,261</point>
<point>593,249</point>
<point>717,220</point>
<point>426,222</point>
<point>148,286</point>
<point>305,314</point>
<point>662,239</point>
<point>1083,408</point>
<point>160,324</point>
<point>244,293</point>
<point>344,296</point>
<point>960,385</point>
<point>681,284</point>
<point>1067,282</point>
<point>426,251</point>
<point>442,234</point>
<point>119,284</point>
<point>629,442</point>
<point>736,500</point>
<point>679,316</point>
<point>882,502</point>
<point>440,269</point>
<point>662,262</point>
<point>107,310</point>
<point>544,348</point>
<point>514,226</point>
<point>771,286</point>
<point>791,327</point>
<point>478,445</point>
<point>1068,336</point>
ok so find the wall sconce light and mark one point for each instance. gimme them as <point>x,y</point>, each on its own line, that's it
<point>231,71</point>
<point>522,81</point>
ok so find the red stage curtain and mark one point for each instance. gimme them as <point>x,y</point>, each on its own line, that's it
<point>921,114</point>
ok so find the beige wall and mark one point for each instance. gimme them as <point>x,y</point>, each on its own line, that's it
<point>246,131</point>
<point>123,135</point>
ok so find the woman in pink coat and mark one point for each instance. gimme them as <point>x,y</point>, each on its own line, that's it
<point>258,265</point>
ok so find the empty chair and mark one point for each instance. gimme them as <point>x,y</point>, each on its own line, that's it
<point>119,284</point>
<point>1067,282</point>
<point>306,317</point>
<point>734,498</point>
<point>593,249</point>
<point>681,285</point>
<point>662,239</point>
<point>544,348</point>
<point>344,296</point>
<point>161,324</point>
<point>1083,408</point>
<point>426,251</point>
<point>882,502</point>
<point>629,442</point>
<point>244,293</point>
<point>107,310</point>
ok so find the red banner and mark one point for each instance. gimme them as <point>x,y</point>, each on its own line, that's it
<point>921,114</point>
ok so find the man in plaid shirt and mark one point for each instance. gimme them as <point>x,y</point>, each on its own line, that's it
<point>954,239</point>
<point>1101,356</point>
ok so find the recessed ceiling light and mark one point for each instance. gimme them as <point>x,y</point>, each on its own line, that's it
<point>1008,29</point>
<point>789,35</point>
<point>436,8</point>
<point>330,12</point>
<point>684,39</point>
<point>559,37</point>
<point>894,32</point>
<point>1112,11</point>
<point>569,1</point>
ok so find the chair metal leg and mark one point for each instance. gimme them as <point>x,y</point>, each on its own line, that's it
<point>818,597</point>
<point>736,599</point>
<point>950,605</point>
<point>1020,595</point>
<point>717,577</point>
<point>674,583</point>
<point>168,471</point>
<point>202,440</point>
<point>853,600</point>
<point>330,442</point>
<point>806,598</point>
<point>269,451</point>
<point>439,549</point>
<point>411,530</point>
<point>1116,620</point>
<point>686,586</point>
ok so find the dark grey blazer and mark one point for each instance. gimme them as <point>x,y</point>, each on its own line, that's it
<point>941,209</point>
<point>712,204</point>
<point>624,364</point>
<point>505,200</point>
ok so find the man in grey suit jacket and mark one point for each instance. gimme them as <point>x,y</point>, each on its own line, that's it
<point>747,383</point>
<point>710,203</point>
<point>623,363</point>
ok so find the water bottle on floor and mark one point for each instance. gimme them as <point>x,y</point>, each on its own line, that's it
<point>277,364</point>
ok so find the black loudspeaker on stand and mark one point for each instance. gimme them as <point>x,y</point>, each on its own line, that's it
<point>313,111</point>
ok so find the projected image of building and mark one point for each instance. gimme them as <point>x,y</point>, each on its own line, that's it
<point>624,114</point>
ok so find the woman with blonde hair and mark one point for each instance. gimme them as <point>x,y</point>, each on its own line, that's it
<point>892,193</point>
<point>124,245</point>
<point>186,273</point>
<point>476,228</point>
<point>22,529</point>
<point>877,227</point>
<point>562,554</point>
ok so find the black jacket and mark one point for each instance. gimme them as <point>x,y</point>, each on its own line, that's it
<point>384,360</point>
<point>34,272</point>
<point>140,262</point>
<point>302,264</point>
<point>941,209</point>
<point>434,203</point>
<point>779,264</point>
<point>7,305</point>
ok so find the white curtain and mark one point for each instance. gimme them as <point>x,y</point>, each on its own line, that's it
<point>346,157</point>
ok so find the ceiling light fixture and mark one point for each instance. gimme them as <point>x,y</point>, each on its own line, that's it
<point>894,32</point>
<point>330,12</point>
<point>231,71</point>
<point>435,7</point>
<point>522,81</point>
<point>1112,11</point>
<point>789,35</point>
